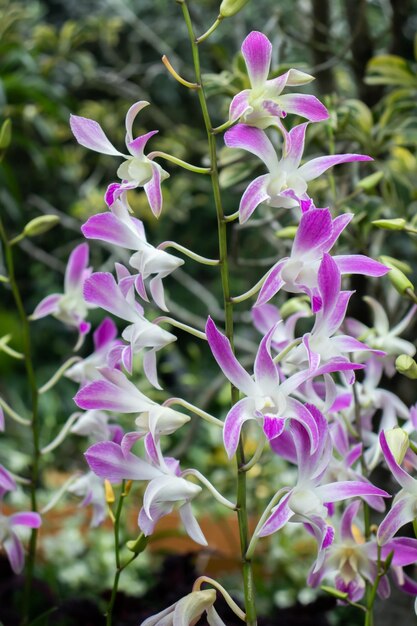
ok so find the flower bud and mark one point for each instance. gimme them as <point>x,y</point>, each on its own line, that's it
<point>397,440</point>
<point>406,366</point>
<point>286,233</point>
<point>109,493</point>
<point>231,7</point>
<point>40,225</point>
<point>394,224</point>
<point>398,279</point>
<point>5,134</point>
<point>137,545</point>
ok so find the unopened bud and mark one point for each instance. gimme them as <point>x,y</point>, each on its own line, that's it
<point>398,442</point>
<point>397,278</point>
<point>406,366</point>
<point>5,134</point>
<point>40,225</point>
<point>138,545</point>
<point>397,223</point>
<point>231,7</point>
<point>286,233</point>
<point>393,262</point>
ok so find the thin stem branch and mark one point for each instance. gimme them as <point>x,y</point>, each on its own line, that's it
<point>194,409</point>
<point>189,329</point>
<point>179,162</point>
<point>119,569</point>
<point>248,580</point>
<point>210,30</point>
<point>192,255</point>
<point>210,487</point>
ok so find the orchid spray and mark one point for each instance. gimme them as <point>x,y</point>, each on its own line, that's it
<point>300,396</point>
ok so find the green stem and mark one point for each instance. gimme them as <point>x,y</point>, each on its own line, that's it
<point>179,162</point>
<point>30,373</point>
<point>242,514</point>
<point>210,30</point>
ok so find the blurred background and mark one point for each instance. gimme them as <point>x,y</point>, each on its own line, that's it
<point>95,58</point>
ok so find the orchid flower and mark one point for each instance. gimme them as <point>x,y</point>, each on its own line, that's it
<point>404,507</point>
<point>286,183</point>
<point>320,345</point>
<point>91,488</point>
<point>166,487</point>
<point>351,561</point>
<point>188,611</point>
<point>86,370</point>
<point>102,290</point>
<point>137,170</point>
<point>120,228</point>
<point>115,392</point>
<point>9,538</point>
<point>308,501</point>
<point>263,105</point>
<point>267,399</point>
<point>70,307</point>
<point>381,336</point>
<point>316,234</point>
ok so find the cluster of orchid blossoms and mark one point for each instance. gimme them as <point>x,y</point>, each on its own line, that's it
<point>301,394</point>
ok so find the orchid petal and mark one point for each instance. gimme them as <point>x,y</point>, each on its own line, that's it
<point>401,513</point>
<point>137,146</point>
<point>266,373</point>
<point>222,352</point>
<point>239,105</point>
<point>279,517</point>
<point>107,227</point>
<point>105,333</point>
<point>106,459</point>
<point>47,306</point>
<point>254,195</point>
<point>89,134</point>
<point>257,51</point>
<point>337,491</point>
<point>130,118</point>
<point>191,525</point>
<point>153,190</point>
<point>272,284</point>
<point>14,550</point>
<point>305,105</point>
<point>313,232</point>
<point>360,264</point>
<point>253,140</point>
<point>236,417</point>
<point>318,166</point>
<point>296,139</point>
<point>101,289</point>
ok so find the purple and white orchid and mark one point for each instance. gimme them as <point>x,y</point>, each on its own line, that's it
<point>137,170</point>
<point>70,307</point>
<point>102,290</point>
<point>268,400</point>
<point>166,484</point>
<point>316,235</point>
<point>286,183</point>
<point>263,105</point>
<point>308,501</point>
<point>9,535</point>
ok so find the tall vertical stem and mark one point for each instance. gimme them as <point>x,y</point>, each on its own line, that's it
<point>30,373</point>
<point>249,589</point>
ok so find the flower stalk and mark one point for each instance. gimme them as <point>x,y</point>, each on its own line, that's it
<point>34,422</point>
<point>241,504</point>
